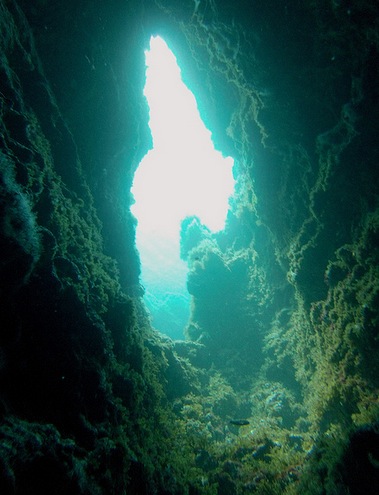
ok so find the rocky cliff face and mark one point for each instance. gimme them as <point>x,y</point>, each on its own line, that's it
<point>284,321</point>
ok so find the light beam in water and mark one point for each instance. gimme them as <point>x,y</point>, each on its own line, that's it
<point>182,175</point>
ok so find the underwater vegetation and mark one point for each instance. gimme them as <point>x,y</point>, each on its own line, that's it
<point>275,388</point>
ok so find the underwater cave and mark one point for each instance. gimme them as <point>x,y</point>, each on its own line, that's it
<point>254,367</point>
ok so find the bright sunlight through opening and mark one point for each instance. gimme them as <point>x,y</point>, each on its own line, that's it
<point>182,175</point>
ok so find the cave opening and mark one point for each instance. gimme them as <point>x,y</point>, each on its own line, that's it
<point>183,175</point>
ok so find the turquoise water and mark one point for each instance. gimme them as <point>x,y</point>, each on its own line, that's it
<point>182,175</point>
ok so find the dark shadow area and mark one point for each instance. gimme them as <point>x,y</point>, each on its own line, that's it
<point>274,387</point>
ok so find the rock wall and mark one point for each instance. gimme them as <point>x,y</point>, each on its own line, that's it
<point>284,320</point>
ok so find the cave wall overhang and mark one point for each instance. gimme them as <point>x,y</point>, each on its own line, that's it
<point>301,122</point>
<point>283,101</point>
